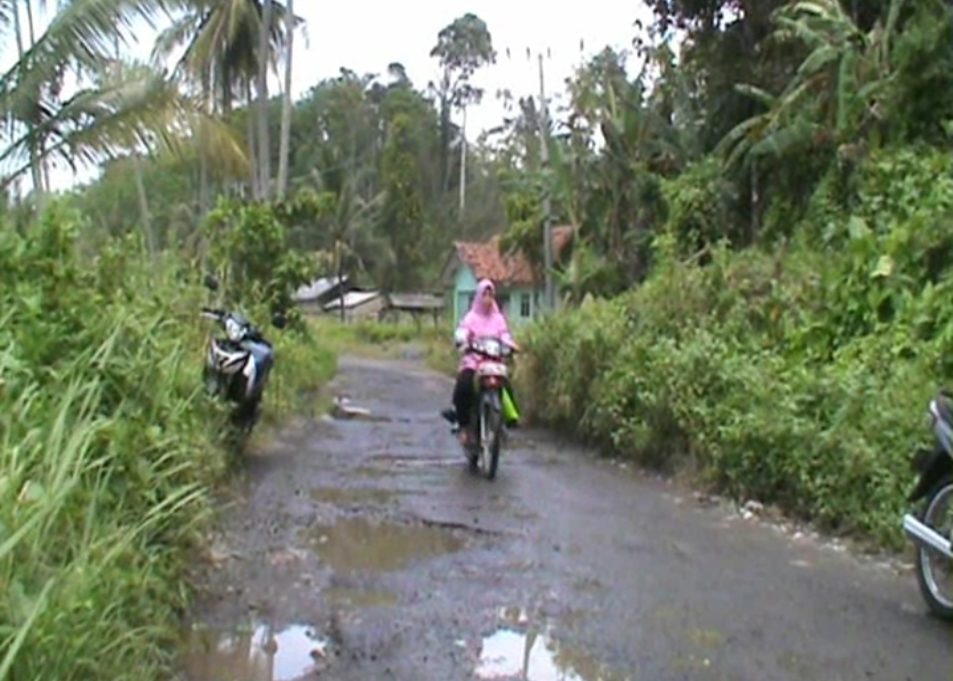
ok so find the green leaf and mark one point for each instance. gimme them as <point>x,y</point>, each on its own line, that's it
<point>31,492</point>
<point>884,267</point>
<point>857,227</point>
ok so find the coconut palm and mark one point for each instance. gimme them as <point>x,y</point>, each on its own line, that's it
<point>222,41</point>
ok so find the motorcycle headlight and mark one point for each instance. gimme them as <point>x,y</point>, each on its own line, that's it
<point>234,330</point>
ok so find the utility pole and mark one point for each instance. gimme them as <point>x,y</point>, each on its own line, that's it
<point>463,164</point>
<point>547,226</point>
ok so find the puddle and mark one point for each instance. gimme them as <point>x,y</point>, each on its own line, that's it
<point>356,496</point>
<point>259,655</point>
<point>361,598</point>
<point>357,544</point>
<point>536,656</point>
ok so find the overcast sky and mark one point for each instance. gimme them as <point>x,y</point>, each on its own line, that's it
<point>367,35</point>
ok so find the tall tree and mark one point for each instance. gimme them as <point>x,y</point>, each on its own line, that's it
<point>462,47</point>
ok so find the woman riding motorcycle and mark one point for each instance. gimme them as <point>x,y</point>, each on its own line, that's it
<point>483,320</point>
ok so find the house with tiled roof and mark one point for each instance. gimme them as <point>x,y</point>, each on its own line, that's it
<point>519,285</point>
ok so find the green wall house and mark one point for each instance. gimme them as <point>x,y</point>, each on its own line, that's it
<point>519,286</point>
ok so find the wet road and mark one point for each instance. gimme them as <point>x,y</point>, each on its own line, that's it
<point>364,549</point>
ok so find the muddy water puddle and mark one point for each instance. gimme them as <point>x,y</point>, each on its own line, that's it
<point>359,544</point>
<point>537,656</point>
<point>524,647</point>
<point>259,654</point>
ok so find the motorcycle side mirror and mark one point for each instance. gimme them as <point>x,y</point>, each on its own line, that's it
<point>279,320</point>
<point>211,283</point>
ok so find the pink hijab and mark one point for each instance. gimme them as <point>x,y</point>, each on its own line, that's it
<point>480,322</point>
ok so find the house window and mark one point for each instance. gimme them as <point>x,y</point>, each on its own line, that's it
<point>524,305</point>
<point>470,299</point>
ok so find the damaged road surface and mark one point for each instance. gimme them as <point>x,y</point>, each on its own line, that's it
<point>362,548</point>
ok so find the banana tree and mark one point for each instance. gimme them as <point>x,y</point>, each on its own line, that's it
<point>835,98</point>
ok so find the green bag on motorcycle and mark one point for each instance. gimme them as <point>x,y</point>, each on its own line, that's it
<point>511,414</point>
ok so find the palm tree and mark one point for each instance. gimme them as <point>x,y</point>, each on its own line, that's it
<point>79,39</point>
<point>222,40</point>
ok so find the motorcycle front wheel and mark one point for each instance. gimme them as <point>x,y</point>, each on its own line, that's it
<point>491,431</point>
<point>934,571</point>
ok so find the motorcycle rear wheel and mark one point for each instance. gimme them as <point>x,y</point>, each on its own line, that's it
<point>934,571</point>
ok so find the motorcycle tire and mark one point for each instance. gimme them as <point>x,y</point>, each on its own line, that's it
<point>491,421</point>
<point>941,605</point>
<point>246,415</point>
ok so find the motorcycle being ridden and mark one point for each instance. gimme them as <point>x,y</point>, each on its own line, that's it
<point>482,397</point>
<point>237,366</point>
<point>931,526</point>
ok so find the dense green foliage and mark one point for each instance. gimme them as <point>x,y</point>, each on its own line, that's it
<point>108,449</point>
<point>795,376</point>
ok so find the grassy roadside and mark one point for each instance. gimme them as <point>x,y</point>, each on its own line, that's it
<point>109,451</point>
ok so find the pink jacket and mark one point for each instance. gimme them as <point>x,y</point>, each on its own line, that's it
<point>479,323</point>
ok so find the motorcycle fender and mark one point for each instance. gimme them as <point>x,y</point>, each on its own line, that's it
<point>933,468</point>
<point>250,372</point>
<point>493,398</point>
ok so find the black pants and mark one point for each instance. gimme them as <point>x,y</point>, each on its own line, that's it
<point>464,393</point>
<point>463,396</point>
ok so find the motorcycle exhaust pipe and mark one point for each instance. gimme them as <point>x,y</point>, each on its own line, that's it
<point>926,536</point>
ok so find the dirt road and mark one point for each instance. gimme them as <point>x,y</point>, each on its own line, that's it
<point>364,549</point>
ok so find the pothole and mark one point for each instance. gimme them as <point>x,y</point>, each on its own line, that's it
<point>358,544</point>
<point>260,654</point>
<point>354,496</point>
<point>525,649</point>
<point>537,656</point>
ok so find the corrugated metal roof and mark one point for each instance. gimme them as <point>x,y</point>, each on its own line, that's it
<point>317,288</point>
<point>353,299</point>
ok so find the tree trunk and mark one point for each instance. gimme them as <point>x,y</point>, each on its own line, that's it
<point>36,169</point>
<point>252,152</point>
<point>264,146</point>
<point>226,91</point>
<point>203,182</point>
<point>340,268</point>
<point>286,106</point>
<point>463,166</point>
<point>29,22</point>
<point>151,239</point>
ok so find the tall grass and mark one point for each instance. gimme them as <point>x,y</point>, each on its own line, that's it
<point>109,452</point>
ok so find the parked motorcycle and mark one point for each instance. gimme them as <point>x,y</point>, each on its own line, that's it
<point>487,419</point>
<point>931,525</point>
<point>237,366</point>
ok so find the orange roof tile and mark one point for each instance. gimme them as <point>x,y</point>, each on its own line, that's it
<point>486,261</point>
